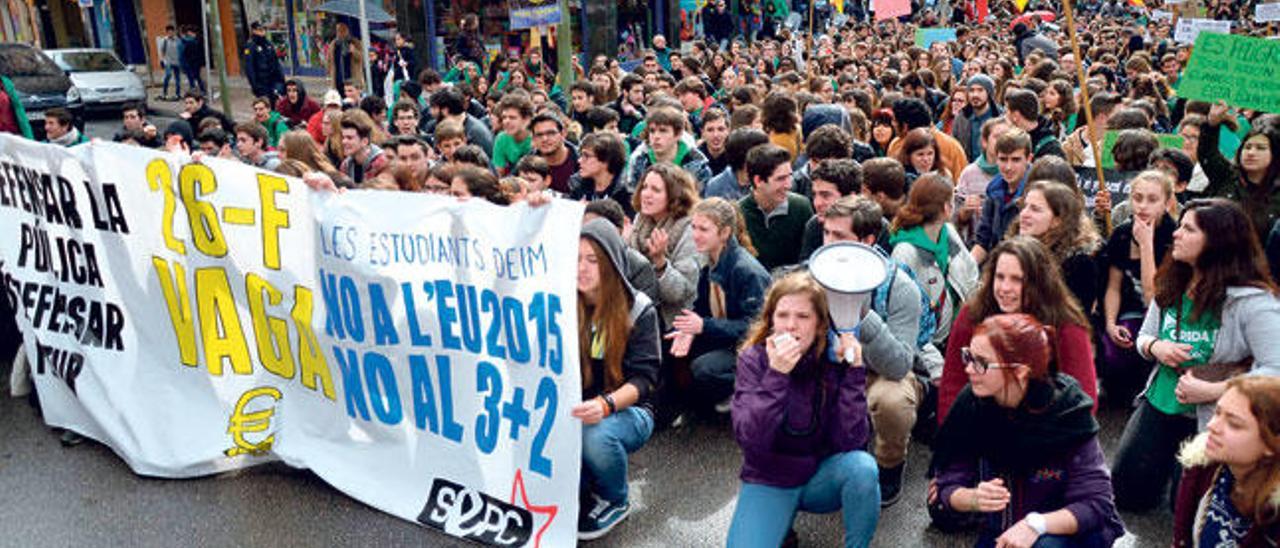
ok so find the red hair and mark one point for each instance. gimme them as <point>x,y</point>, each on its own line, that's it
<point>1021,339</point>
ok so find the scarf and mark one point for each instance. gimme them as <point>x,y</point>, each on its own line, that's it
<point>1054,417</point>
<point>918,237</point>
<point>70,138</point>
<point>644,225</point>
<point>986,165</point>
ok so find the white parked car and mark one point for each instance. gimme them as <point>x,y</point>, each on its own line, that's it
<point>102,79</point>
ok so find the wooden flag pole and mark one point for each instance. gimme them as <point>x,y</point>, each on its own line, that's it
<point>809,39</point>
<point>1088,111</point>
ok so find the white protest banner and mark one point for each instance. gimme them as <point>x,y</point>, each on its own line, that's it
<point>1266,13</point>
<point>1161,15</point>
<point>1189,28</point>
<point>418,353</point>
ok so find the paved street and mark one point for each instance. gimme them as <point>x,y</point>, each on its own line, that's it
<point>683,483</point>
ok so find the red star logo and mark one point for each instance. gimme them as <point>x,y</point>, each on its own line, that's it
<point>550,511</point>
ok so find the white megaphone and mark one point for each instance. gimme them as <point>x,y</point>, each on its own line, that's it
<point>850,272</point>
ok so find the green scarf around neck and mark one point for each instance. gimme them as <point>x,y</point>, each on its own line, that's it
<point>918,237</point>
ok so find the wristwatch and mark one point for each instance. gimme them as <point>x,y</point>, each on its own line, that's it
<point>1037,522</point>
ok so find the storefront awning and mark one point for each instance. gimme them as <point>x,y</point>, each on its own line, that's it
<point>351,8</point>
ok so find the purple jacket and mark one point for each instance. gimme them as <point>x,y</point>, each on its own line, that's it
<point>1076,480</point>
<point>783,440</point>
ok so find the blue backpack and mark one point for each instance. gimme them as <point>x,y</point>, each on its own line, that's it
<point>928,316</point>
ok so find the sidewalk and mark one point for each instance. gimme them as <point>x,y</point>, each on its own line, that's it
<point>237,88</point>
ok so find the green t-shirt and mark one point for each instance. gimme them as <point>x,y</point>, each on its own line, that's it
<point>506,151</point>
<point>1200,333</point>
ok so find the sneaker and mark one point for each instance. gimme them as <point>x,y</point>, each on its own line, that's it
<point>725,406</point>
<point>602,518</point>
<point>891,485</point>
<point>70,439</point>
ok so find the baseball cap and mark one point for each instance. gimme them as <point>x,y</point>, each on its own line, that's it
<point>332,97</point>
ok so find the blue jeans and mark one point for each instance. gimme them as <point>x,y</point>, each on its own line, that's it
<point>176,73</point>
<point>848,482</point>
<point>605,446</point>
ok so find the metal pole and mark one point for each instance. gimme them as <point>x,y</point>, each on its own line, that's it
<point>432,54</point>
<point>564,48</point>
<point>204,24</point>
<point>1088,112</point>
<point>222,67</point>
<point>368,47</point>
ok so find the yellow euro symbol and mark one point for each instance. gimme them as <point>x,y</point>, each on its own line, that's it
<point>243,422</point>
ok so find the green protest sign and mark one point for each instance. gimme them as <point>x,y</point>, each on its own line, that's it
<point>1167,140</point>
<point>1240,70</point>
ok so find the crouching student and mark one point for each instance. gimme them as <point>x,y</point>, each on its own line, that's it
<point>620,351</point>
<point>730,291</point>
<point>800,416</point>
<point>1230,490</point>
<point>1020,445</point>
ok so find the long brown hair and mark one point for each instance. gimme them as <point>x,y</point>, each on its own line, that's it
<point>612,322</point>
<point>298,145</point>
<point>682,190</point>
<point>1254,492</point>
<point>927,202</point>
<point>723,213</point>
<point>799,282</point>
<point>1074,232</point>
<point>1045,295</point>
<point>1231,257</point>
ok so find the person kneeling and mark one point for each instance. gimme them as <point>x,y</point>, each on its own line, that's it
<point>800,416</point>
<point>1020,445</point>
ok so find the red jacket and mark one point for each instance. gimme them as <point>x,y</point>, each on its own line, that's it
<point>1075,358</point>
<point>300,114</point>
<point>314,127</point>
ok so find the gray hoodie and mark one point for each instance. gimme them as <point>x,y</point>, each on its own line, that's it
<point>1250,328</point>
<point>889,344</point>
<point>643,357</point>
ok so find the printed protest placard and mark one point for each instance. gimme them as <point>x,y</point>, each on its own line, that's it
<point>417,353</point>
<point>1188,28</point>
<point>889,9</point>
<point>926,37</point>
<point>533,13</point>
<point>1118,182</point>
<point>1266,13</point>
<point>1166,140</point>
<point>1240,70</point>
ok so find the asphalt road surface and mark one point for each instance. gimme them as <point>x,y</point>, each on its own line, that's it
<point>683,484</point>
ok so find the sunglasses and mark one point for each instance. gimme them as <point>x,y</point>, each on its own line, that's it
<point>980,365</point>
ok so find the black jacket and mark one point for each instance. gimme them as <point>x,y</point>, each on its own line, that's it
<point>262,67</point>
<point>643,357</point>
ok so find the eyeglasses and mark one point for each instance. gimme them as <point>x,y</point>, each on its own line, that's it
<point>980,365</point>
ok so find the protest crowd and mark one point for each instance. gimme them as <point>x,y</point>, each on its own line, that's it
<point>1022,293</point>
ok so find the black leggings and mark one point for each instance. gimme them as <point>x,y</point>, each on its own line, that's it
<point>1146,460</point>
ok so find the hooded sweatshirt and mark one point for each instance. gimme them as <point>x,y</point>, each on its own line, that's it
<point>301,111</point>
<point>1250,325</point>
<point>643,357</point>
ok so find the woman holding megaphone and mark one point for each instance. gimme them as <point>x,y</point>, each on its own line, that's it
<point>800,415</point>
